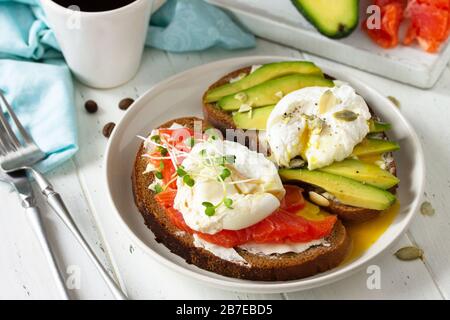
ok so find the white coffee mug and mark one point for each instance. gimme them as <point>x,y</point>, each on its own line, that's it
<point>102,49</point>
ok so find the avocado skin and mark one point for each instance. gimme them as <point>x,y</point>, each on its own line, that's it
<point>343,32</point>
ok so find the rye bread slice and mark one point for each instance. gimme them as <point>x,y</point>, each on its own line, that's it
<point>282,267</point>
<point>223,120</point>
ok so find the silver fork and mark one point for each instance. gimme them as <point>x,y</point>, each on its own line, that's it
<point>19,180</point>
<point>22,155</point>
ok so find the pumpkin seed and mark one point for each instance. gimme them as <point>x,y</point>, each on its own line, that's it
<point>245,107</point>
<point>327,101</point>
<point>409,253</point>
<point>279,94</point>
<point>395,101</point>
<point>426,209</point>
<point>346,115</point>
<point>296,163</point>
<point>318,199</point>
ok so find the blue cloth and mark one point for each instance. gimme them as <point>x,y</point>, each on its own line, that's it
<point>193,25</point>
<point>42,97</point>
<point>39,86</point>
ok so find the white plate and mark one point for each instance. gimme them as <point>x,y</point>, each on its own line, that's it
<point>181,96</point>
<point>280,21</point>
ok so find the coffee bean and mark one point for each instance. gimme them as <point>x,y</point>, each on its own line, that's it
<point>91,106</point>
<point>124,104</point>
<point>108,129</point>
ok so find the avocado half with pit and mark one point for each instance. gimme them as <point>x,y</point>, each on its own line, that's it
<point>334,19</point>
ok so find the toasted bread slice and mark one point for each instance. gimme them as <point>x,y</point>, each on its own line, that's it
<point>223,120</point>
<point>286,266</point>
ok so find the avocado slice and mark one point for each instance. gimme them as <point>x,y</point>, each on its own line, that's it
<point>334,19</point>
<point>260,115</point>
<point>362,172</point>
<point>371,146</point>
<point>270,92</point>
<point>377,127</point>
<point>266,72</point>
<point>347,191</point>
<point>257,120</point>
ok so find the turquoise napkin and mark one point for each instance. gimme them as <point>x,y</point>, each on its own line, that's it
<point>192,25</point>
<point>42,97</point>
<point>39,86</point>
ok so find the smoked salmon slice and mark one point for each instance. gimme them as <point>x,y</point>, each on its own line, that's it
<point>281,226</point>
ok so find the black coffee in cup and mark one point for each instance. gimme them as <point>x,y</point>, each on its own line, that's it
<point>94,5</point>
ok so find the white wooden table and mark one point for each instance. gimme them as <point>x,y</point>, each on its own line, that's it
<point>23,270</point>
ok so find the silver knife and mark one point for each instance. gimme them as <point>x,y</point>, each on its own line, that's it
<point>22,185</point>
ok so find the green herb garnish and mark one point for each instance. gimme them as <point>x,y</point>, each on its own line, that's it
<point>158,175</point>
<point>228,203</point>
<point>158,189</point>
<point>230,159</point>
<point>180,172</point>
<point>210,209</point>
<point>225,173</point>
<point>190,142</point>
<point>163,151</point>
<point>188,180</point>
<point>156,138</point>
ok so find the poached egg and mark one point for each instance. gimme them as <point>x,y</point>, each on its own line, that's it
<point>253,185</point>
<point>321,125</point>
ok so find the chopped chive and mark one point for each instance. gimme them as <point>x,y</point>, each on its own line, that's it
<point>158,175</point>
<point>203,152</point>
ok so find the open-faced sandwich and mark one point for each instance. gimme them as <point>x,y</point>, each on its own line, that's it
<point>319,132</point>
<point>225,209</point>
<point>269,210</point>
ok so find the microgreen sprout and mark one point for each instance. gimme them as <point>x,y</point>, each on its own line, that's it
<point>158,188</point>
<point>210,209</point>
<point>180,172</point>
<point>188,180</point>
<point>230,159</point>
<point>190,142</point>
<point>163,151</point>
<point>156,138</point>
<point>225,173</point>
<point>228,203</point>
